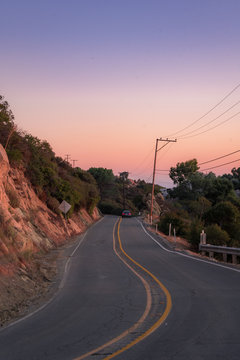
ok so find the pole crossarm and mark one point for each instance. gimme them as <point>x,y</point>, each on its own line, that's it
<point>167,141</point>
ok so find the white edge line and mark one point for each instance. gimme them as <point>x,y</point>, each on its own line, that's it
<point>185,255</point>
<point>66,269</point>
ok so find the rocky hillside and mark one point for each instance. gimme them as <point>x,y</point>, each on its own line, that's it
<point>28,230</point>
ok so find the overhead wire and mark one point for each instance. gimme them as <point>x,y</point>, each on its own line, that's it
<point>218,158</point>
<point>149,178</point>
<point>214,167</point>
<point>141,172</point>
<point>208,112</point>
<point>214,127</point>
<point>191,133</point>
<point>206,162</point>
<point>163,153</point>
<point>211,121</point>
<point>142,162</point>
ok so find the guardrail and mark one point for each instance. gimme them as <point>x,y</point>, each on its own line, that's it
<point>224,250</point>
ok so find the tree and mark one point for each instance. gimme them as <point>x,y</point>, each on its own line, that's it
<point>236,178</point>
<point>225,214</point>
<point>104,178</point>
<point>180,224</point>
<point>124,177</point>
<point>217,189</point>
<point>217,236</point>
<point>182,172</point>
<point>7,126</point>
<point>198,207</point>
<point>193,235</point>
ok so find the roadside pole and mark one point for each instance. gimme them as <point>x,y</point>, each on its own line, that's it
<point>64,207</point>
<point>167,141</point>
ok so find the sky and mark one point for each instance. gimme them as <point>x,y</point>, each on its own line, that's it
<point>100,80</point>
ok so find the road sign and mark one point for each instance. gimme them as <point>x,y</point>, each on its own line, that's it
<point>64,206</point>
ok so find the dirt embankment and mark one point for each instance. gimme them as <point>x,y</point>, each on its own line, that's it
<point>29,235</point>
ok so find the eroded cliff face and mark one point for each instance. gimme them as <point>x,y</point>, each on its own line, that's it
<point>28,228</point>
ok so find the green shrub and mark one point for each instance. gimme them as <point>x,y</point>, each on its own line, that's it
<point>180,224</point>
<point>110,207</point>
<point>14,155</point>
<point>217,236</point>
<point>195,230</point>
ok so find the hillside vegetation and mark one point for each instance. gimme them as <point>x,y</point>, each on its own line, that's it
<point>119,192</point>
<point>199,201</point>
<point>31,189</point>
<point>53,178</point>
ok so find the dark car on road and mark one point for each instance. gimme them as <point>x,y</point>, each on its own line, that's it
<point>126,213</point>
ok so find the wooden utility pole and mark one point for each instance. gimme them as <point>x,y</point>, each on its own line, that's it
<point>167,141</point>
<point>124,176</point>
<point>73,161</point>
<point>67,158</point>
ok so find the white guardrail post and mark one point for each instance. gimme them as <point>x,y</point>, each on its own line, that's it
<point>224,250</point>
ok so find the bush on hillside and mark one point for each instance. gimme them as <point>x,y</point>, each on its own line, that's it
<point>217,236</point>
<point>180,224</point>
<point>193,235</point>
<point>110,207</point>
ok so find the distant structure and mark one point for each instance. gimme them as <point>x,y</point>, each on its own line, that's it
<point>164,192</point>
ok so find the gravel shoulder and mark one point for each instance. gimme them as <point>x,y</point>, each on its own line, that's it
<point>26,290</point>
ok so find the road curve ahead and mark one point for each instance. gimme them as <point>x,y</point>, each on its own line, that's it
<point>125,297</point>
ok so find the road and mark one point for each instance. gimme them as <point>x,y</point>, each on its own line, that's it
<point>124,296</point>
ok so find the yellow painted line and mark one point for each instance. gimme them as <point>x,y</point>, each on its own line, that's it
<point>146,311</point>
<point>159,321</point>
<point>142,318</point>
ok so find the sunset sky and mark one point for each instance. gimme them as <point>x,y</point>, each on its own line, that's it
<point>102,79</point>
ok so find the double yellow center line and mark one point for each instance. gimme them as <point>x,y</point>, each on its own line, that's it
<point>124,257</point>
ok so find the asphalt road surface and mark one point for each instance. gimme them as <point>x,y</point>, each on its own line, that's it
<point>124,296</point>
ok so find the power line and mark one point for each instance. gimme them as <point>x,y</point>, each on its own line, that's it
<point>162,174</point>
<point>221,157</point>
<point>142,162</point>
<point>211,121</point>
<point>214,167</point>
<point>146,168</point>
<point>149,178</point>
<point>214,127</point>
<point>164,152</point>
<point>208,112</point>
<point>203,163</point>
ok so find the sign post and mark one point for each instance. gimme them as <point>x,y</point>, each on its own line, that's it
<point>64,207</point>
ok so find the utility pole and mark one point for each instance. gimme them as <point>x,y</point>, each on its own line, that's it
<point>167,141</point>
<point>74,162</point>
<point>124,176</point>
<point>67,158</point>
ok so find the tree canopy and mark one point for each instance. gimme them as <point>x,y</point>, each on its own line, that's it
<point>182,171</point>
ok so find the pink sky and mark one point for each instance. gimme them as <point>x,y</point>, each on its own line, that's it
<point>101,83</point>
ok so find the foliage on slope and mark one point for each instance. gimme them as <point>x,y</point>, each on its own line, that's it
<point>201,201</point>
<point>119,192</point>
<point>52,177</point>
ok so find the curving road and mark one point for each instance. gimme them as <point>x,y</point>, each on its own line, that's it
<point>124,296</point>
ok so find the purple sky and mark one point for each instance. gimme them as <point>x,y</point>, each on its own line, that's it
<point>100,80</point>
